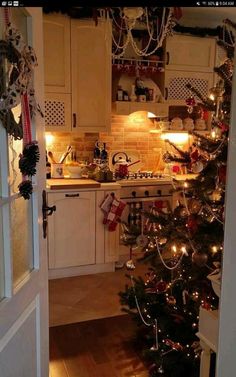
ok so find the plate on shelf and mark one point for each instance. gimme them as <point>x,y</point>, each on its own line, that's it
<point>176,124</point>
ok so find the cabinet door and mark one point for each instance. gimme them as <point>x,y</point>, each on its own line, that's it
<point>175,85</point>
<point>71,231</point>
<point>58,112</point>
<point>91,75</point>
<point>187,53</point>
<point>56,30</point>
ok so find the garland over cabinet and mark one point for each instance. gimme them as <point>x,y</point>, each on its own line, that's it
<point>77,57</point>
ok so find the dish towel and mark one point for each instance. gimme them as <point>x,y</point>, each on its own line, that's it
<point>112,209</point>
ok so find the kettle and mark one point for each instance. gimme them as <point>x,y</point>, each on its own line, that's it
<point>122,164</point>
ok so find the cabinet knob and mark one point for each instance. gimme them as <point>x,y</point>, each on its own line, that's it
<point>159,192</point>
<point>146,193</point>
<point>133,194</point>
<point>74,120</point>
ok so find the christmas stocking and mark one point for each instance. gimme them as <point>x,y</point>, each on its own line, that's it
<point>112,208</point>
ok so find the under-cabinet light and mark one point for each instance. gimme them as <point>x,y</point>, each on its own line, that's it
<point>175,137</point>
<point>49,139</point>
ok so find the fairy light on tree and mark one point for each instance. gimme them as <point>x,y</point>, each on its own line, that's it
<point>186,248</point>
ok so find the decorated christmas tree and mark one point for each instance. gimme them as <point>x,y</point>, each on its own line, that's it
<point>183,247</point>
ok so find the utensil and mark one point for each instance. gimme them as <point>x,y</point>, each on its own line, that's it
<point>65,154</point>
<point>50,154</point>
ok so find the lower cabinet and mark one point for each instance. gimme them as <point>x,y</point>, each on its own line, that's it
<point>78,241</point>
<point>71,230</point>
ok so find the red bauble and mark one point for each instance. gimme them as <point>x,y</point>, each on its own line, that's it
<point>195,155</point>
<point>199,259</point>
<point>192,224</point>
<point>190,101</point>
<point>222,174</point>
<point>161,286</point>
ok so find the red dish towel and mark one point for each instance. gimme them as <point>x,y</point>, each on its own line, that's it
<point>113,209</point>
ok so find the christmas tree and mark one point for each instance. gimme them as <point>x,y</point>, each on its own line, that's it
<point>183,246</point>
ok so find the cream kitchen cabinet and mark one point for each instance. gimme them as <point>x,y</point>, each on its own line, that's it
<point>77,74</point>
<point>71,230</point>
<point>56,29</point>
<point>189,53</point>
<point>91,75</point>
<point>175,85</point>
<point>78,241</point>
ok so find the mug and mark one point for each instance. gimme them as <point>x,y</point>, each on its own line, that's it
<point>57,170</point>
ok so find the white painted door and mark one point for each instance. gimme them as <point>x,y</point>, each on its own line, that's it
<point>23,258</point>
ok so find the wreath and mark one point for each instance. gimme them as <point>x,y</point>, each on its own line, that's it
<point>17,88</point>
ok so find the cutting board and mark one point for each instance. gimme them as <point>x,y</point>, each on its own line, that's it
<point>65,184</point>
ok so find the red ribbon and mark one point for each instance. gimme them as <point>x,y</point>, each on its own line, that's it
<point>6,15</point>
<point>27,136</point>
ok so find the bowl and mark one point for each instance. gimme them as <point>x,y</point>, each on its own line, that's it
<point>75,171</point>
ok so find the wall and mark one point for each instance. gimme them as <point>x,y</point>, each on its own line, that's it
<point>128,133</point>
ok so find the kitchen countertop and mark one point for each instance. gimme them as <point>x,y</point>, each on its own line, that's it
<point>85,183</point>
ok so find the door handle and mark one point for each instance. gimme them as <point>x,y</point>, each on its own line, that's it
<point>47,211</point>
<point>74,120</point>
<point>72,195</point>
<point>167,58</point>
<point>166,93</point>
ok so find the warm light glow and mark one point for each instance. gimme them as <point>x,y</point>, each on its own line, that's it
<point>174,249</point>
<point>176,137</point>
<point>212,97</point>
<point>214,249</point>
<point>49,139</point>
<point>213,134</point>
<point>184,251</point>
<point>186,184</point>
<point>138,117</point>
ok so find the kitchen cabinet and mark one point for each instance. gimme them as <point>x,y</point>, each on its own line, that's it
<point>189,53</point>
<point>78,241</point>
<point>56,30</point>
<point>91,75</point>
<point>175,85</point>
<point>71,230</point>
<point>77,74</point>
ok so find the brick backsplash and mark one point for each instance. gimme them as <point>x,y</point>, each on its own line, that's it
<point>127,133</point>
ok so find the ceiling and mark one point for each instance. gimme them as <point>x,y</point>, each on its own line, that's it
<point>208,17</point>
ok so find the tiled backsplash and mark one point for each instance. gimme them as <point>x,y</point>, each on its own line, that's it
<point>128,133</point>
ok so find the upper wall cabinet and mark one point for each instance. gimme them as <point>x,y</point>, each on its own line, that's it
<point>57,53</point>
<point>91,75</point>
<point>77,74</point>
<point>187,53</point>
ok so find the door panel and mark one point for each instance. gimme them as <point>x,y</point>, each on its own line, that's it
<point>21,238</point>
<point>23,260</point>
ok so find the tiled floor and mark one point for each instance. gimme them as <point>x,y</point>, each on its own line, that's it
<point>84,298</point>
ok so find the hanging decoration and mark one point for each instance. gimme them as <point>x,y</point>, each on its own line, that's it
<point>126,20</point>
<point>18,89</point>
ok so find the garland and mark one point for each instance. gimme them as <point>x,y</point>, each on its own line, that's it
<point>19,90</point>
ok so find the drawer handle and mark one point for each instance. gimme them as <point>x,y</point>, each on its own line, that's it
<point>72,195</point>
<point>167,58</point>
<point>166,93</point>
<point>74,120</point>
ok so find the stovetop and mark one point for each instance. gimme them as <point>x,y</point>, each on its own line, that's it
<point>144,178</point>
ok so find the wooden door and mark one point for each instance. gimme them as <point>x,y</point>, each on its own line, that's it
<point>187,53</point>
<point>91,75</point>
<point>71,239</point>
<point>23,275</point>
